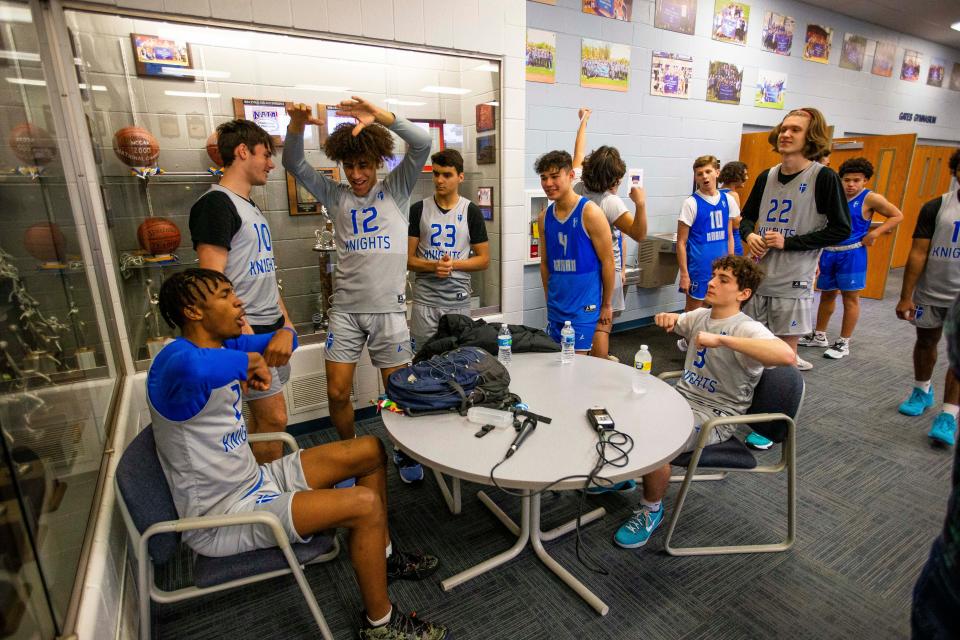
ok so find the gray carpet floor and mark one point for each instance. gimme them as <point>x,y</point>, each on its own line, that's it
<point>872,495</point>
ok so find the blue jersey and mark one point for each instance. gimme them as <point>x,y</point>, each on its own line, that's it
<point>737,240</point>
<point>858,226</point>
<point>574,290</point>
<point>708,234</point>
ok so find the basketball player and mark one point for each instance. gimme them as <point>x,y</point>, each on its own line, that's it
<point>931,282</point>
<point>370,219</point>
<point>601,173</point>
<point>193,388</point>
<point>577,262</point>
<point>843,268</point>
<point>231,235</point>
<point>733,175</point>
<point>443,232</point>
<point>794,210</point>
<point>730,351</point>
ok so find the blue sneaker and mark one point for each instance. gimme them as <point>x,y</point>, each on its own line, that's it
<point>626,486</point>
<point>943,430</point>
<point>346,483</point>
<point>918,402</point>
<point>410,470</point>
<point>758,442</point>
<point>637,529</point>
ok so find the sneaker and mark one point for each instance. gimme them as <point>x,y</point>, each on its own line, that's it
<point>943,430</point>
<point>682,344</point>
<point>404,627</point>
<point>410,470</point>
<point>346,483</point>
<point>758,442</point>
<point>815,339</point>
<point>803,365</point>
<point>408,565</point>
<point>621,487</point>
<point>839,349</point>
<point>637,529</point>
<point>918,402</point>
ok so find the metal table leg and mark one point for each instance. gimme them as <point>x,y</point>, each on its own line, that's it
<point>451,495</point>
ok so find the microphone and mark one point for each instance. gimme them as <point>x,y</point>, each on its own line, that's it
<point>525,430</point>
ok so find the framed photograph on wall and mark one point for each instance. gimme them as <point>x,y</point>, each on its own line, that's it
<point>162,57</point>
<point>771,89</point>
<point>541,56</point>
<point>486,117</point>
<point>670,75</point>
<point>910,69</point>
<point>485,202</point>
<point>676,15</point>
<point>327,114</point>
<point>777,35</point>
<point>854,52</point>
<point>724,82</point>
<point>883,59</point>
<point>730,21</point>
<point>604,65</point>
<point>302,202</point>
<point>936,72</point>
<point>435,129</point>
<point>616,9</point>
<point>271,115</point>
<point>818,42</point>
<point>487,149</point>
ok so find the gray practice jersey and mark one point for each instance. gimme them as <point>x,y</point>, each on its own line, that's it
<point>371,232</point>
<point>790,209</point>
<point>939,283</point>
<point>613,207</point>
<point>443,233</point>
<point>719,380</point>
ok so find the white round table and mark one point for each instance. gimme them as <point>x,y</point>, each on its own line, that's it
<point>659,420</point>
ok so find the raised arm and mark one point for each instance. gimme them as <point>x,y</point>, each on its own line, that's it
<point>294,160</point>
<point>635,226</point>
<point>580,144</point>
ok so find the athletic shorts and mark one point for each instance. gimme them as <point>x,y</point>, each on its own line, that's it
<point>424,321</point>
<point>721,432</point>
<point>783,316</point>
<point>278,378</point>
<point>584,333</point>
<point>700,275</point>
<point>385,334</point>
<point>929,316</point>
<point>279,480</point>
<point>619,304</point>
<point>843,270</point>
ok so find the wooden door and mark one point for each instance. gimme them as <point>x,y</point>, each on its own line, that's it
<point>757,153</point>
<point>929,178</point>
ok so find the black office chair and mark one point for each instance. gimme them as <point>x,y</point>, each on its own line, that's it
<point>154,528</point>
<point>776,402</point>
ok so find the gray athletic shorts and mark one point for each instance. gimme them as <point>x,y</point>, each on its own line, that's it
<point>783,316</point>
<point>929,316</point>
<point>619,304</point>
<point>424,320</point>
<point>385,334</point>
<point>721,432</point>
<point>278,378</point>
<point>279,480</point>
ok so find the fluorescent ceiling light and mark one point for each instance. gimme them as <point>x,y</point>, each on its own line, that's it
<point>191,94</point>
<point>197,73</point>
<point>19,55</point>
<point>457,91</point>
<point>493,103</point>
<point>487,66</point>
<point>205,35</point>
<point>327,88</point>
<point>404,103</point>
<point>955,26</point>
<point>27,81</point>
<point>93,87</point>
<point>15,14</point>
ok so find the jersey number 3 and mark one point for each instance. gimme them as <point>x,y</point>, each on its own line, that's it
<point>451,235</point>
<point>784,207</point>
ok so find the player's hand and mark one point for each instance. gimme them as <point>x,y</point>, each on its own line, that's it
<point>666,321</point>
<point>685,282</point>
<point>906,310</point>
<point>606,314</point>
<point>365,112</point>
<point>279,349</point>
<point>444,266</point>
<point>708,340</point>
<point>258,374</point>
<point>773,239</point>
<point>300,116</point>
<point>869,239</point>
<point>756,245</point>
<point>623,277</point>
<point>638,195</point>
<point>584,113</point>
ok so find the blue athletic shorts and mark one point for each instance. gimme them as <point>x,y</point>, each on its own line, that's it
<point>584,331</point>
<point>843,270</point>
<point>700,275</point>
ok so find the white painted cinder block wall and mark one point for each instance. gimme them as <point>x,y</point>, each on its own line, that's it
<point>664,135</point>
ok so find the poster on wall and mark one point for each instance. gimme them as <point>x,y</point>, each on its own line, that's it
<point>162,57</point>
<point>676,15</point>
<point>616,9</point>
<point>724,82</point>
<point>730,20</point>
<point>883,59</point>
<point>435,129</point>
<point>771,90</point>
<point>955,77</point>
<point>541,56</point>
<point>301,201</point>
<point>935,73</point>
<point>777,33</point>
<point>817,43</point>
<point>486,117</point>
<point>604,65</point>
<point>670,75</point>
<point>910,69</point>
<point>487,149</point>
<point>853,52</point>
<point>271,115</point>
<point>485,202</point>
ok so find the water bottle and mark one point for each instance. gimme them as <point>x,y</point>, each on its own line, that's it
<point>568,339</point>
<point>505,344</point>
<point>486,415</point>
<point>642,362</point>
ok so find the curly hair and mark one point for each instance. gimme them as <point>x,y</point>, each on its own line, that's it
<point>232,134</point>
<point>559,160</point>
<point>374,144</point>
<point>603,169</point>
<point>748,273</point>
<point>857,165</point>
<point>954,162</point>
<point>731,172</point>
<point>817,136</point>
<point>183,290</point>
<point>704,161</point>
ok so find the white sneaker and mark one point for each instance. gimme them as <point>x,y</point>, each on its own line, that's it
<point>803,365</point>
<point>839,349</point>
<point>682,344</point>
<point>815,339</point>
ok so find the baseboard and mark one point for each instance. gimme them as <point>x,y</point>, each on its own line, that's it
<point>319,424</point>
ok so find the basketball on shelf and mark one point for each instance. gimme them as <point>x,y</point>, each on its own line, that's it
<point>213,151</point>
<point>136,147</point>
<point>158,236</point>
<point>45,242</point>
<point>32,145</point>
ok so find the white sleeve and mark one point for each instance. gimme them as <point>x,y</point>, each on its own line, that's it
<point>613,207</point>
<point>688,212</point>
<point>751,329</point>
<point>734,207</point>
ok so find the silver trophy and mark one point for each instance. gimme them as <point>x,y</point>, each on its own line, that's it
<point>155,341</point>
<point>326,246</point>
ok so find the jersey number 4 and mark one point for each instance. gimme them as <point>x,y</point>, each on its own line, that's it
<point>784,206</point>
<point>437,230</point>
<point>365,224</point>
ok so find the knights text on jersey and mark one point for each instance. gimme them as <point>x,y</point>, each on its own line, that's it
<point>939,284</point>
<point>574,288</point>
<point>443,233</point>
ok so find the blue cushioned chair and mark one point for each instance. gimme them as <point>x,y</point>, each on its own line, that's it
<point>154,528</point>
<point>776,402</point>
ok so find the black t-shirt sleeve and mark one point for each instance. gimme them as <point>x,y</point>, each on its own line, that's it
<point>751,209</point>
<point>478,230</point>
<point>927,220</point>
<point>831,203</point>
<point>416,210</point>
<point>214,220</point>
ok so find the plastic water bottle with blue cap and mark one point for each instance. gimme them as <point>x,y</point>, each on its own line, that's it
<point>568,339</point>
<point>504,345</point>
